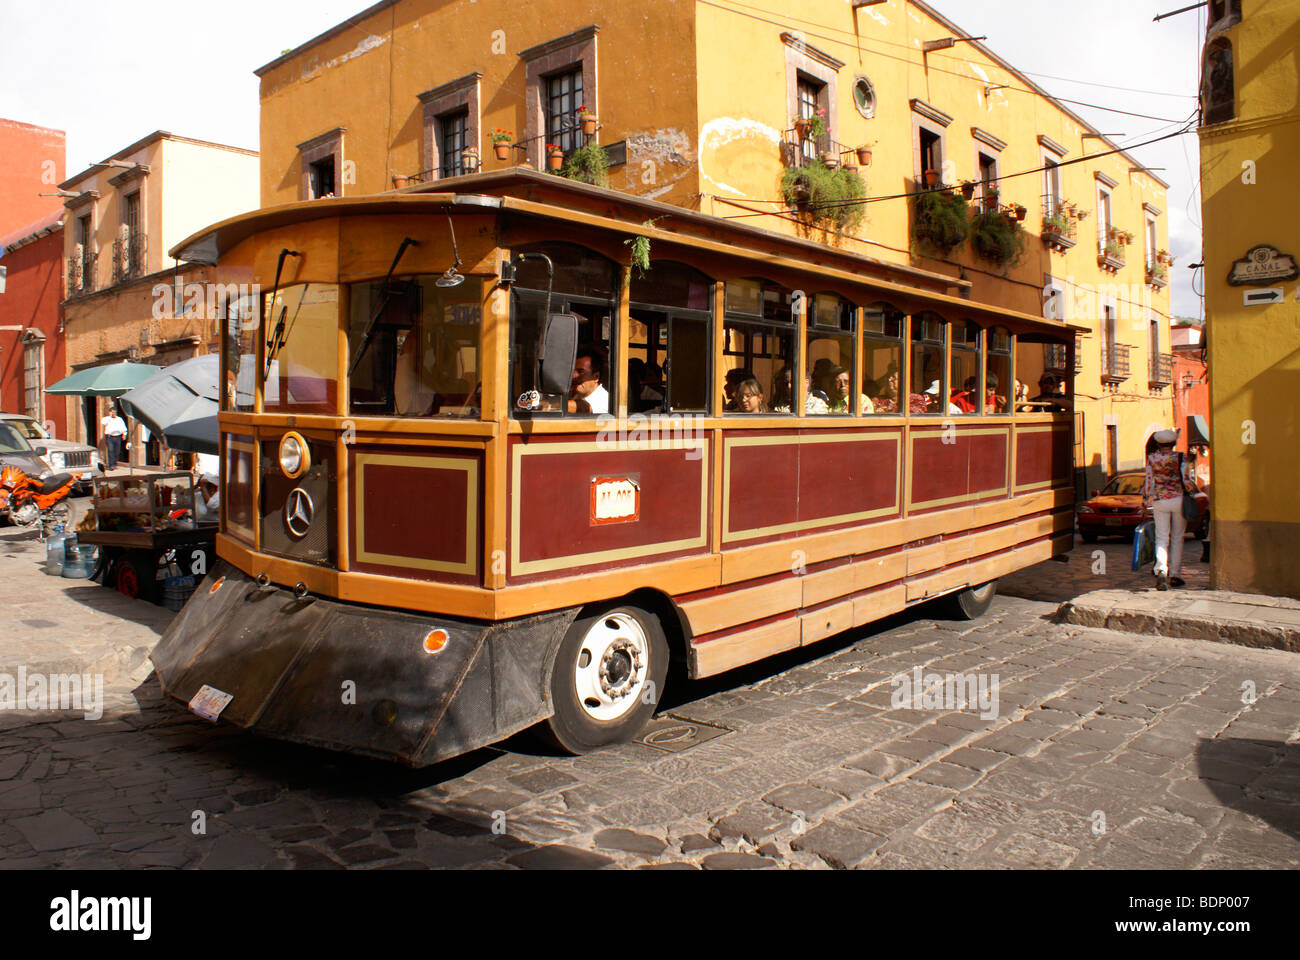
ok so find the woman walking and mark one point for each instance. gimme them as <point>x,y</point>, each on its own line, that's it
<point>1168,478</point>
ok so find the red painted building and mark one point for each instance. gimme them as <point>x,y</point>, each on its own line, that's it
<point>32,349</point>
<point>32,162</point>
<point>1192,392</point>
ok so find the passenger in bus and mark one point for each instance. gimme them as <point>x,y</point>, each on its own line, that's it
<point>652,387</point>
<point>994,402</point>
<point>822,385</point>
<point>783,391</point>
<point>932,402</point>
<point>731,402</point>
<point>635,371</point>
<point>750,396</point>
<point>840,387</point>
<point>964,399</point>
<point>886,393</point>
<point>587,394</point>
<point>1051,395</point>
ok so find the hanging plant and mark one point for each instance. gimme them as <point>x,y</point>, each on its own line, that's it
<point>998,238</point>
<point>940,221</point>
<point>588,164</point>
<point>827,197</point>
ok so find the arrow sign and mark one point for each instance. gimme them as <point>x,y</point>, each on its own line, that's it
<point>1263,296</point>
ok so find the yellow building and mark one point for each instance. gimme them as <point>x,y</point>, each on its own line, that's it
<point>697,103</point>
<point>123,215</point>
<point>1250,136</point>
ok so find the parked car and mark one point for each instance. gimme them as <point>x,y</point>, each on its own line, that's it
<point>63,456</point>
<point>15,451</point>
<point>1116,510</point>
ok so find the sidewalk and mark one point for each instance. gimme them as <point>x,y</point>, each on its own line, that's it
<point>1247,619</point>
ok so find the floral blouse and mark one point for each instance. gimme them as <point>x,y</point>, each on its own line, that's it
<point>1163,481</point>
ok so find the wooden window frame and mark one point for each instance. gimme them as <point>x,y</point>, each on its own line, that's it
<point>315,150</point>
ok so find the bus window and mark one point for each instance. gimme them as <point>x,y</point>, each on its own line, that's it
<point>926,380</point>
<point>583,285</point>
<point>829,357</point>
<point>882,357</point>
<point>414,349</point>
<point>1041,375</point>
<point>758,348</point>
<point>300,372</point>
<point>998,388</point>
<point>964,383</point>
<point>669,346</point>
<point>241,354</point>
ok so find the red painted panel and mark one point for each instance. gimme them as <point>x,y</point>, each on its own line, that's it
<point>763,485</point>
<point>988,463</point>
<point>940,470</point>
<point>847,476</point>
<point>1033,458</point>
<point>415,512</point>
<point>555,501</point>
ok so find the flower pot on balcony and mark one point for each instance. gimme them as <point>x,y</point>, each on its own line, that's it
<point>851,168</point>
<point>502,150</point>
<point>400,182</point>
<point>830,160</point>
<point>864,156</point>
<point>932,178</point>
<point>1020,212</point>
<point>589,124</point>
<point>555,160</point>
<point>802,128</point>
<point>968,189</point>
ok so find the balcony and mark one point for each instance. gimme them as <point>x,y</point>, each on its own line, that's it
<point>128,258</point>
<point>80,274</point>
<point>1162,370</point>
<point>1115,363</point>
<point>801,152</point>
<point>1157,276</point>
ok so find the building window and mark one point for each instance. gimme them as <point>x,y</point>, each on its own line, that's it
<point>931,147</point>
<point>810,101</point>
<point>1103,217</point>
<point>864,97</point>
<point>1051,187</point>
<point>322,165</point>
<point>1153,241</point>
<point>988,181</point>
<point>34,379</point>
<point>1218,96</point>
<point>453,140</point>
<point>560,77</point>
<point>563,98</point>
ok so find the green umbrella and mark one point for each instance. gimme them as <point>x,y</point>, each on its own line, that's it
<point>111,380</point>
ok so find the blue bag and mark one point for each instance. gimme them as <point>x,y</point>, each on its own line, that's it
<point>1144,545</point>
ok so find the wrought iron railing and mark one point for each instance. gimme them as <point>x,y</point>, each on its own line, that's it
<point>1115,362</point>
<point>1162,370</point>
<point>799,151</point>
<point>129,257</point>
<point>80,274</point>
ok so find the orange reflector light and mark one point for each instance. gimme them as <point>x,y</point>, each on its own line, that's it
<point>435,640</point>
<point>217,584</point>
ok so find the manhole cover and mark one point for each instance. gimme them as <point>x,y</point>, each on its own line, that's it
<point>673,734</point>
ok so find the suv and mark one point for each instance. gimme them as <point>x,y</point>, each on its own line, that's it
<point>63,456</point>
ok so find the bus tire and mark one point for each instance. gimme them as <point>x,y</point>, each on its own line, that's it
<point>607,678</point>
<point>973,602</point>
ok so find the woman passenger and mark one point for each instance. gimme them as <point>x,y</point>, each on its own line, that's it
<point>750,397</point>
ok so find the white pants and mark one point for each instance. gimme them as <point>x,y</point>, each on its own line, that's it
<point>1171,526</point>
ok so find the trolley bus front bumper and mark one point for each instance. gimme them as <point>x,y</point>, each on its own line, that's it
<point>383,683</point>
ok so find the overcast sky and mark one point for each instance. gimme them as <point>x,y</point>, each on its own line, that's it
<point>188,68</point>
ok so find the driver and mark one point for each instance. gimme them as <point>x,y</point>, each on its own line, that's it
<point>587,393</point>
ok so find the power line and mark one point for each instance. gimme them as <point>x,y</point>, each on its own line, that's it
<point>911,62</point>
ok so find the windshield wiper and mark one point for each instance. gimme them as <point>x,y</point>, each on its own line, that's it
<point>278,337</point>
<point>385,295</point>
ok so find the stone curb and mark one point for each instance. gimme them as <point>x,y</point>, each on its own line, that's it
<point>1138,614</point>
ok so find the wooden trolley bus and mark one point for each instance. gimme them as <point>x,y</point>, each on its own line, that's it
<point>432,538</point>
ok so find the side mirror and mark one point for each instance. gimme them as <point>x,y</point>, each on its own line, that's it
<point>42,451</point>
<point>559,354</point>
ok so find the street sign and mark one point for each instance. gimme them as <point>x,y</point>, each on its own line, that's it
<point>1263,296</point>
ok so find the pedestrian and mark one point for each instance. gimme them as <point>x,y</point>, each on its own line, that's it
<point>1168,477</point>
<point>114,437</point>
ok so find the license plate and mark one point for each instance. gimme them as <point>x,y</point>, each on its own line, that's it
<point>209,702</point>
<point>1114,522</point>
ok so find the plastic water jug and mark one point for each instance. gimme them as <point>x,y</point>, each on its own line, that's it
<point>54,554</point>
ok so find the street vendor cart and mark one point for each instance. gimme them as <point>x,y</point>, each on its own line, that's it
<point>150,544</point>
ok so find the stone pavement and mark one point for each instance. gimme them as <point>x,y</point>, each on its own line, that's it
<point>1243,618</point>
<point>1106,750</point>
<point>1106,565</point>
<point>55,625</point>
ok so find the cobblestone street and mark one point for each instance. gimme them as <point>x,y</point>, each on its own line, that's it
<point>1107,750</point>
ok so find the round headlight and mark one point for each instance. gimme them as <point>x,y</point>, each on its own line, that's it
<point>295,456</point>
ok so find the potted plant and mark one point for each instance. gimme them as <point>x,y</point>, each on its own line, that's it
<point>400,182</point>
<point>1020,212</point>
<point>940,221</point>
<point>968,189</point>
<point>555,156</point>
<point>819,127</point>
<point>932,178</point>
<point>802,127</point>
<point>864,154</point>
<point>1115,251</point>
<point>501,143</point>
<point>588,164</point>
<point>830,159</point>
<point>825,196</point>
<point>991,194</point>
<point>1157,273</point>
<point>1080,214</point>
<point>997,237</point>
<point>589,120</point>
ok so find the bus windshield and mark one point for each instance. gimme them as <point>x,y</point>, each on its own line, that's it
<point>300,372</point>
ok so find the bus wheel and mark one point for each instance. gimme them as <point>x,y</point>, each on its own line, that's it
<point>607,678</point>
<point>973,602</point>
